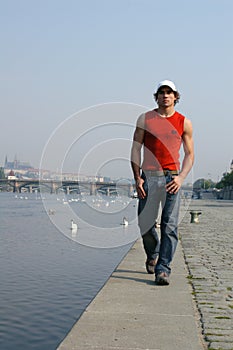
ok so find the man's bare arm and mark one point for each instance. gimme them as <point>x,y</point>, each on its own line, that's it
<point>175,184</point>
<point>138,140</point>
<point>188,149</point>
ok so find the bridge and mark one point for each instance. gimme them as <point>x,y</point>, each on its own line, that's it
<point>67,186</point>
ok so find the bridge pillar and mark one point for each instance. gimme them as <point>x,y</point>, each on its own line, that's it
<point>16,187</point>
<point>30,189</point>
<point>92,189</point>
<point>53,188</point>
<point>108,191</point>
<point>67,189</point>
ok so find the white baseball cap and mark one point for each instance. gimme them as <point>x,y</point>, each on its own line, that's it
<point>166,83</point>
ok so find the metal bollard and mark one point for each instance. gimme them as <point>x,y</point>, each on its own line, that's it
<point>195,216</point>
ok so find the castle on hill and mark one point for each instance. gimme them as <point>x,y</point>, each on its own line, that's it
<point>16,165</point>
<point>19,169</point>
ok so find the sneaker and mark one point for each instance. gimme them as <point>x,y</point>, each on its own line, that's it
<point>150,265</point>
<point>162,279</point>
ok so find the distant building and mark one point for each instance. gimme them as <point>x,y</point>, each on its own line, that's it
<point>11,175</point>
<point>19,168</point>
<point>17,165</point>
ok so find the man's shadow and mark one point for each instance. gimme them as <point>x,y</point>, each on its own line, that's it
<point>132,278</point>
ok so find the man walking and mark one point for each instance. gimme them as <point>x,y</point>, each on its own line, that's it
<point>161,132</point>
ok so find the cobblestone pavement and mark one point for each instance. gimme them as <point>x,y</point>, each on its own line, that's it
<point>208,251</point>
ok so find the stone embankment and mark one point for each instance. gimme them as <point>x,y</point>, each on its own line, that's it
<point>208,251</point>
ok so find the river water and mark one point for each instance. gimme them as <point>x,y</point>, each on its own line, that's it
<point>48,274</point>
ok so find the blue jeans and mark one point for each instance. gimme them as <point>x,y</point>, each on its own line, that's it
<point>148,209</point>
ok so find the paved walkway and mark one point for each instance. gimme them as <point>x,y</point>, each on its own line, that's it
<point>132,313</point>
<point>208,249</point>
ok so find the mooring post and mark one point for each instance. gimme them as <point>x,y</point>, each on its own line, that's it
<point>195,216</point>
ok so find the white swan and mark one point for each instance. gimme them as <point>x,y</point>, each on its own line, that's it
<point>125,222</point>
<point>74,226</point>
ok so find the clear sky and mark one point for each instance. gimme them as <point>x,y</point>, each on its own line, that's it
<point>60,57</point>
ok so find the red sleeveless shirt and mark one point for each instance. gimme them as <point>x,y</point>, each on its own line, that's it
<point>162,141</point>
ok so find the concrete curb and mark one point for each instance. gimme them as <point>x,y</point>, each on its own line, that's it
<point>131,312</point>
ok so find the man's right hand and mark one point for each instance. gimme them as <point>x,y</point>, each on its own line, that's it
<point>139,187</point>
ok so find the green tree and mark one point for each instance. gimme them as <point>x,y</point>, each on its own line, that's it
<point>203,184</point>
<point>2,175</point>
<point>227,180</point>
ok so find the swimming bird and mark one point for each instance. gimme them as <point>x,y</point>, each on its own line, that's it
<point>74,226</point>
<point>125,221</point>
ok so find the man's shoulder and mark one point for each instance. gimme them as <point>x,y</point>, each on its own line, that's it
<point>187,121</point>
<point>149,114</point>
<point>146,114</point>
<point>179,115</point>
<point>141,121</point>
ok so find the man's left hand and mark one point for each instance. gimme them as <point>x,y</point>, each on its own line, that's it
<point>174,185</point>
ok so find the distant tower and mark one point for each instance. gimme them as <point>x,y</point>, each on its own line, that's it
<point>6,161</point>
<point>15,162</point>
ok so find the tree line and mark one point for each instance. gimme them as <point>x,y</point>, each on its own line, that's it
<point>227,180</point>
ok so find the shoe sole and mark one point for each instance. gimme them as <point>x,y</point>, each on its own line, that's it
<point>162,281</point>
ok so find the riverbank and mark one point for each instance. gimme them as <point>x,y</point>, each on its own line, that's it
<point>132,313</point>
<point>194,312</point>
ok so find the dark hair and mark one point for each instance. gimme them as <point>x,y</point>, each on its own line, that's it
<point>176,94</point>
